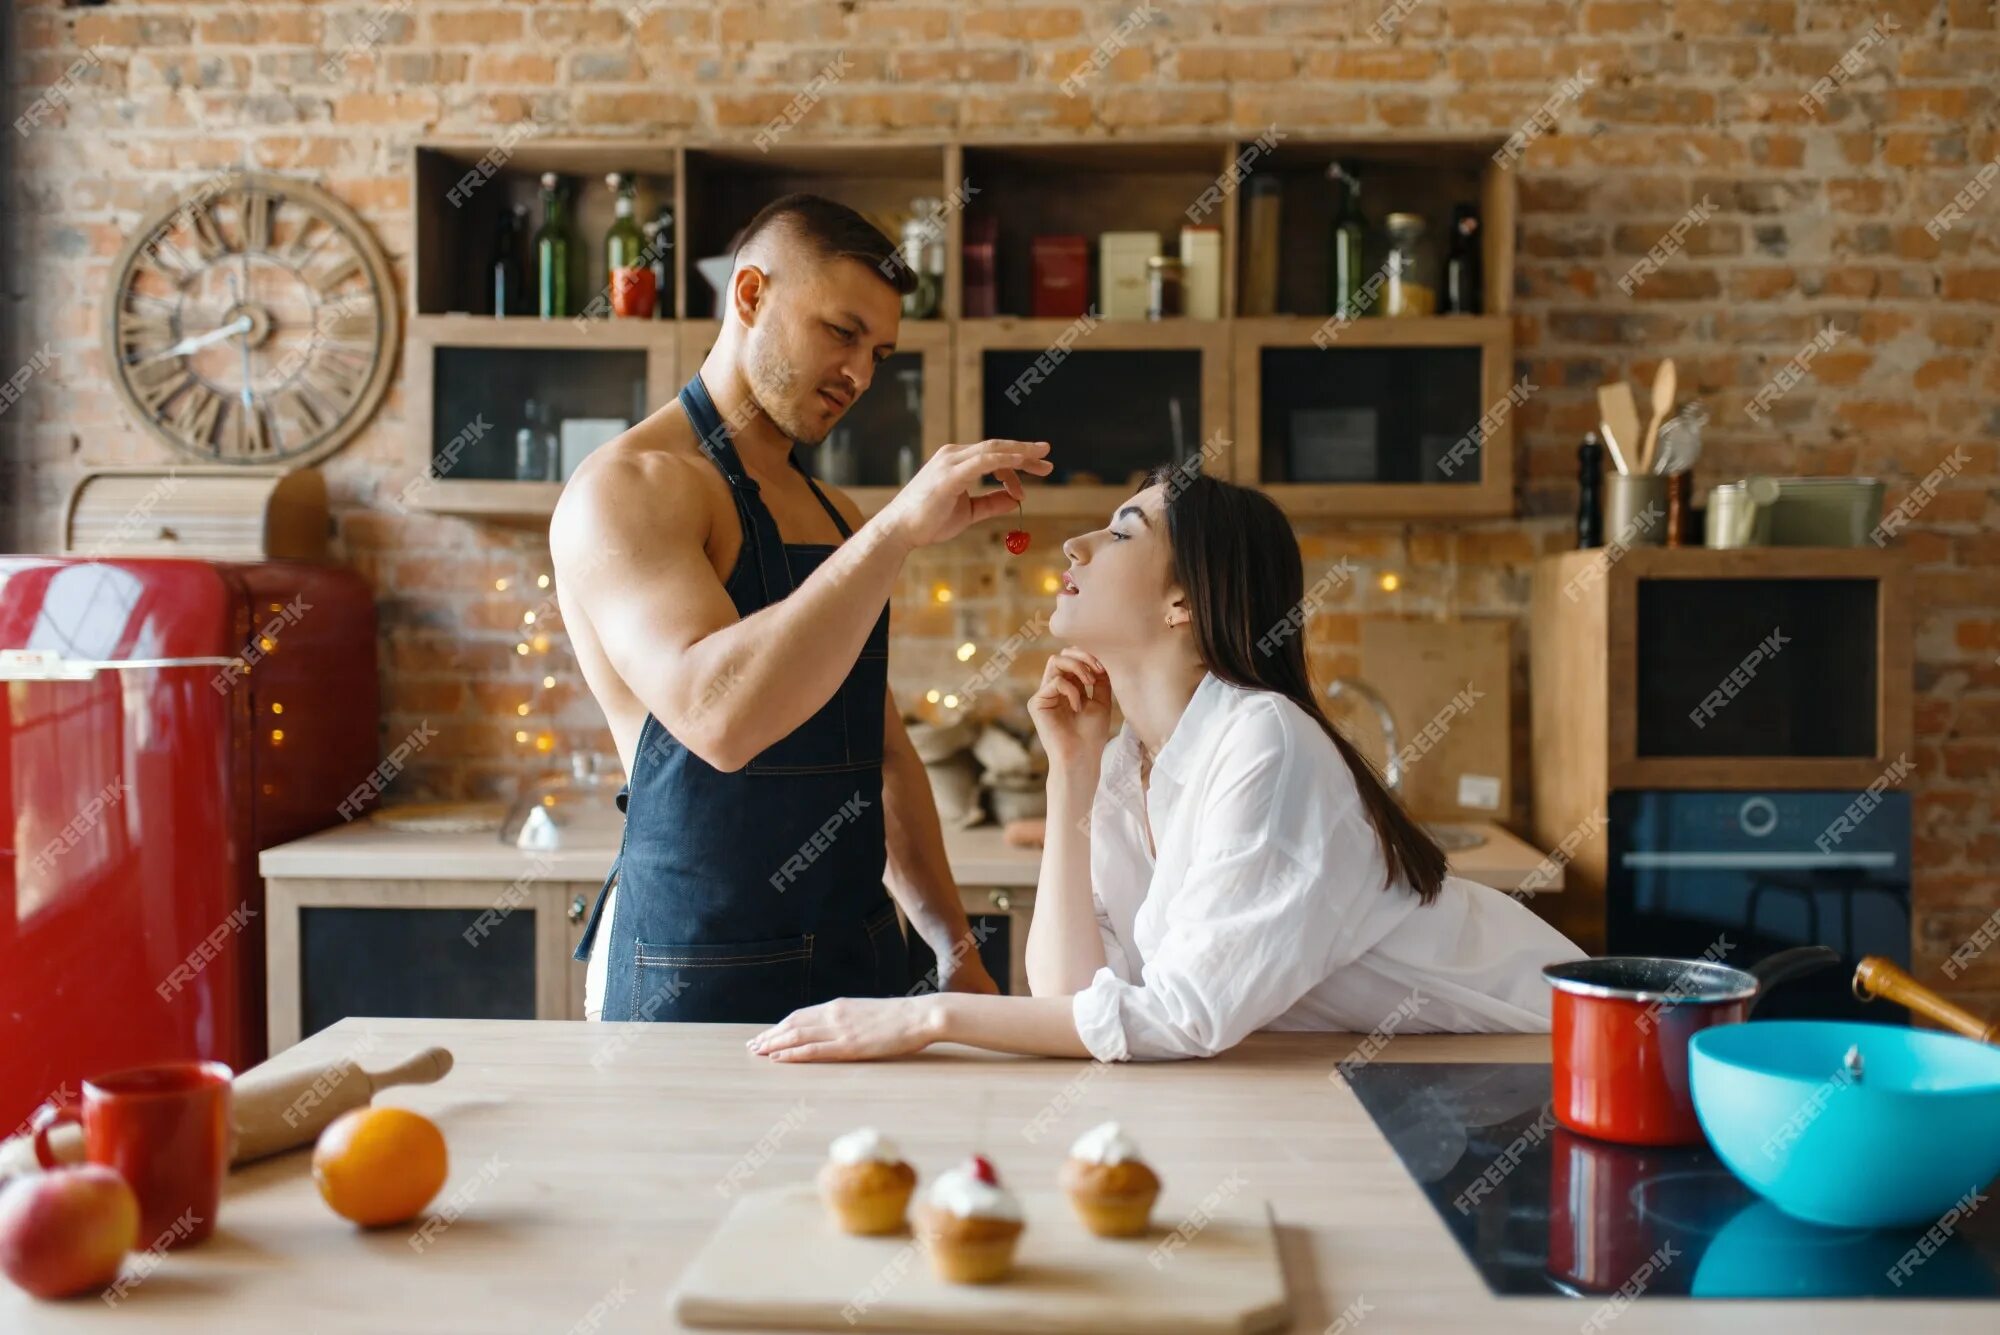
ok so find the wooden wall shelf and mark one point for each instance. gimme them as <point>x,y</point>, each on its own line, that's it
<point>1032,186</point>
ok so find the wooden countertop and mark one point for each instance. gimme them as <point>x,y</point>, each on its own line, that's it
<point>590,1161</point>
<point>979,858</point>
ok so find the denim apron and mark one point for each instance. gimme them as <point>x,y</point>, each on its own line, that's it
<point>743,896</point>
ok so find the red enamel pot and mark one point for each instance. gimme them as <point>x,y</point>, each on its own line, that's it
<point>1619,1030</point>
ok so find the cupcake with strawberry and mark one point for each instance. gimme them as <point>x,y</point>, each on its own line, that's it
<point>970,1224</point>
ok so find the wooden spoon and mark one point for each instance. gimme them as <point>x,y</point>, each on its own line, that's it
<point>1664,384</point>
<point>1621,423</point>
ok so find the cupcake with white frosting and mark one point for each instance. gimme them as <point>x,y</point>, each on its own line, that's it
<point>970,1224</point>
<point>1108,1183</point>
<point>866,1183</point>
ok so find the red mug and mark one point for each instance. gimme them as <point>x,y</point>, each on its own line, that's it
<point>165,1130</point>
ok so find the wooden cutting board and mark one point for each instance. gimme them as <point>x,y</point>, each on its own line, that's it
<point>1455,678</point>
<point>778,1260</point>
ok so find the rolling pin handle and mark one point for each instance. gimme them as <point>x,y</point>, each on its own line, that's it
<point>432,1064</point>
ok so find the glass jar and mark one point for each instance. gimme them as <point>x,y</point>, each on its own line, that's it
<point>1406,291</point>
<point>1166,287</point>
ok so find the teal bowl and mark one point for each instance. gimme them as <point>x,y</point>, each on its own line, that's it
<point>1917,1135</point>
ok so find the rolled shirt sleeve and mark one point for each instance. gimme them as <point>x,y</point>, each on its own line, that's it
<point>1258,919</point>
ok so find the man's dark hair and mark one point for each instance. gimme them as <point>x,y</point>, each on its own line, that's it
<point>832,231</point>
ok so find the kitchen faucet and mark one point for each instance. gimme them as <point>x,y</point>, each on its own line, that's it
<point>1392,768</point>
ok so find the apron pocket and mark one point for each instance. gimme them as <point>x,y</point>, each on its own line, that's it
<point>892,956</point>
<point>746,982</point>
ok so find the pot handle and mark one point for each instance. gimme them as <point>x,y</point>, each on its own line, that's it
<point>1787,965</point>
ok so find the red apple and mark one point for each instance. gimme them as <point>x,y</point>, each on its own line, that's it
<point>67,1232</point>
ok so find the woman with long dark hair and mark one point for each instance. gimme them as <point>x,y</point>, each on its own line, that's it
<point>1228,861</point>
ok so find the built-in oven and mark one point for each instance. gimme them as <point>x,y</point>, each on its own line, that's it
<point>1734,876</point>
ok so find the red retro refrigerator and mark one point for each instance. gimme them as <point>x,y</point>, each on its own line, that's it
<point>166,719</point>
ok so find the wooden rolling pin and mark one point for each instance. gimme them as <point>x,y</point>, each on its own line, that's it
<point>1878,977</point>
<point>271,1111</point>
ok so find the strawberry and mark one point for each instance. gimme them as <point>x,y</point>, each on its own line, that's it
<point>982,1168</point>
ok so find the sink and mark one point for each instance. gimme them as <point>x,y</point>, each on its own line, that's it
<point>1454,838</point>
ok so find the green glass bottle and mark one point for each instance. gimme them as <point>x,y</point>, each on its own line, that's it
<point>552,253</point>
<point>627,270</point>
<point>1347,278</point>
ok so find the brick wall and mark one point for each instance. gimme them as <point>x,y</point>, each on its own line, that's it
<point>1819,216</point>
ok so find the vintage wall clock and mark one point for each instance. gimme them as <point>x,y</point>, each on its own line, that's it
<point>252,320</point>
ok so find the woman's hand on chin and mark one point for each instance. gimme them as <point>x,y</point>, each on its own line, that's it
<point>851,1029</point>
<point>1072,710</point>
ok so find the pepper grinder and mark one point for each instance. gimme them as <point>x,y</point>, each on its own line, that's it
<point>1589,503</point>
<point>1678,490</point>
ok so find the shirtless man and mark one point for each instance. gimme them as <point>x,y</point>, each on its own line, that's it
<point>730,617</point>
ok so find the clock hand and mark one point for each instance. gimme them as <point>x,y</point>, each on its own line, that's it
<point>196,342</point>
<point>238,296</point>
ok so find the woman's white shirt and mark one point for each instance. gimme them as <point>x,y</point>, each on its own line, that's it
<point>1266,906</point>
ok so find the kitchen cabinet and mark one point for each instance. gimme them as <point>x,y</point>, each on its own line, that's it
<point>1358,419</point>
<point>435,949</point>
<point>1378,416</point>
<point>472,379</point>
<point>1118,396</point>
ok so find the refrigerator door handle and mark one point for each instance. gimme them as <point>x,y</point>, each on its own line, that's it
<point>47,665</point>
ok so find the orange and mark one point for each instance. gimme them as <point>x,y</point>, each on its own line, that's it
<point>379,1166</point>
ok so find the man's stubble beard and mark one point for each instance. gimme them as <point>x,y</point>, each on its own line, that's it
<point>773,379</point>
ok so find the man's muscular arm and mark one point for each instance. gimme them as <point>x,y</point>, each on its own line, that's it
<point>627,543</point>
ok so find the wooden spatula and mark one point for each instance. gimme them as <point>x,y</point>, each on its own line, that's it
<point>1621,424</point>
<point>1663,403</point>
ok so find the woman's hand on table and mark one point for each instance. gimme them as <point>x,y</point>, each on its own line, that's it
<point>851,1029</point>
<point>1072,711</point>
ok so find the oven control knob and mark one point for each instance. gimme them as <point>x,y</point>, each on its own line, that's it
<point>1758,817</point>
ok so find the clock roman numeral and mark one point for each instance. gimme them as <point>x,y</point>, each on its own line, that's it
<point>297,252</point>
<point>207,235</point>
<point>352,327</point>
<point>252,431</point>
<point>332,278</point>
<point>257,221</point>
<point>137,329</point>
<point>157,382</point>
<point>293,406</point>
<point>195,414</point>
<point>170,261</point>
<point>337,380</point>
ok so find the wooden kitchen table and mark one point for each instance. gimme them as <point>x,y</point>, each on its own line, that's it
<point>589,1162</point>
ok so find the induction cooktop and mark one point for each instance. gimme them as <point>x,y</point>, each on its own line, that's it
<point>1541,1210</point>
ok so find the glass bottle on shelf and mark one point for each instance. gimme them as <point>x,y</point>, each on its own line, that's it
<point>628,273</point>
<point>1463,273</point>
<point>923,251</point>
<point>505,294</point>
<point>536,455</point>
<point>1166,288</point>
<point>1405,293</point>
<point>552,253</point>
<point>660,247</point>
<point>909,424</point>
<point>1347,278</point>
